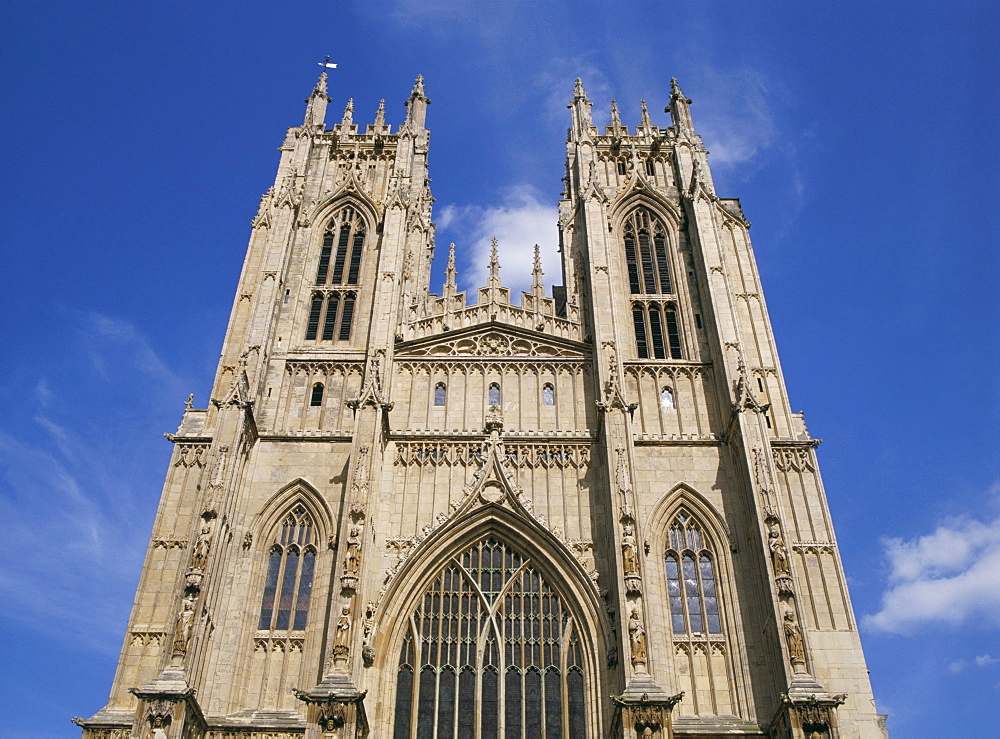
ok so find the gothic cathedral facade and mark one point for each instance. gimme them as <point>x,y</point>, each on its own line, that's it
<point>404,515</point>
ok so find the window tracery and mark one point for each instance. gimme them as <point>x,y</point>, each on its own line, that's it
<point>343,243</point>
<point>646,254</point>
<point>691,580</point>
<point>290,566</point>
<point>548,394</point>
<point>657,332</point>
<point>492,647</point>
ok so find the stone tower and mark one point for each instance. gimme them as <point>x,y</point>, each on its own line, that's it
<point>402,514</point>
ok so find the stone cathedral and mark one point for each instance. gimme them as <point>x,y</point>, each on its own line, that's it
<point>589,512</point>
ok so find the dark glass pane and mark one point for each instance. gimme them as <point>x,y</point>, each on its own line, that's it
<point>270,586</point>
<point>639,322</point>
<point>316,399</point>
<point>346,317</point>
<point>446,703</point>
<point>490,700</point>
<point>553,704</point>
<point>330,319</point>
<point>287,593</point>
<point>650,168</point>
<point>313,325</point>
<point>532,703</point>
<point>425,705</point>
<point>714,624</point>
<point>577,712</point>
<point>663,269</point>
<point>404,703</point>
<point>439,395</point>
<point>512,704</point>
<point>305,590</point>
<point>494,395</point>
<point>338,264</point>
<point>633,267</point>
<point>656,333</point>
<point>677,615</point>
<point>352,274</point>
<point>324,259</point>
<point>674,335</point>
<point>466,703</point>
<point>646,256</point>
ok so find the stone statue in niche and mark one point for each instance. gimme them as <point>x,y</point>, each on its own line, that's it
<point>352,560</point>
<point>184,625</point>
<point>637,639</point>
<point>793,637</point>
<point>202,546</point>
<point>630,551</point>
<point>342,637</point>
<point>779,554</point>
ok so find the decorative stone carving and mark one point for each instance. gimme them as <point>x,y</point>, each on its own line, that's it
<point>352,558</point>
<point>776,544</point>
<point>183,626</point>
<point>637,641</point>
<point>793,638</point>
<point>342,636</point>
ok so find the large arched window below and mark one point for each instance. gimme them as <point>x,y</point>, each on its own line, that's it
<point>701,651</point>
<point>492,651</point>
<point>290,565</point>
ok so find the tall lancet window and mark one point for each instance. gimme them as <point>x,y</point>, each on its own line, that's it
<point>290,565</point>
<point>646,254</point>
<point>696,622</point>
<point>657,333</point>
<point>491,651</point>
<point>343,243</point>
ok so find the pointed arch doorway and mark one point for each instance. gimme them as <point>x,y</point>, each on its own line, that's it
<point>492,650</point>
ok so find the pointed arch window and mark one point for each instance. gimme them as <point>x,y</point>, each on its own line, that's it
<point>646,254</point>
<point>343,244</point>
<point>290,566</point>
<point>493,394</point>
<point>440,394</point>
<point>548,394</point>
<point>491,651</point>
<point>667,399</point>
<point>691,580</point>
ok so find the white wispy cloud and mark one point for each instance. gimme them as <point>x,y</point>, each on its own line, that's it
<point>950,576</point>
<point>982,660</point>
<point>519,221</point>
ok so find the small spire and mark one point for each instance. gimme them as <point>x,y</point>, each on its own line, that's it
<point>616,119</point>
<point>675,90</point>
<point>416,105</point>
<point>578,91</point>
<point>680,114</point>
<point>644,112</point>
<point>494,279</point>
<point>320,88</point>
<point>450,288</point>
<point>380,115</point>
<point>537,289</point>
<point>348,118</point>
<point>418,86</point>
<point>580,106</point>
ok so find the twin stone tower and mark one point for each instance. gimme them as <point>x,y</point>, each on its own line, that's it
<point>403,515</point>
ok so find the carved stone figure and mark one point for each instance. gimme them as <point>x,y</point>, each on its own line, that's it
<point>202,547</point>
<point>793,637</point>
<point>184,625</point>
<point>779,554</point>
<point>352,560</point>
<point>637,638</point>
<point>630,551</point>
<point>342,637</point>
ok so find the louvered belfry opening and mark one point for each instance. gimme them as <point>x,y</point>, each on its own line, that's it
<point>491,651</point>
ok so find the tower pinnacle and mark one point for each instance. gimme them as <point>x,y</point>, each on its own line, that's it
<point>644,112</point>
<point>494,279</point>
<point>616,119</point>
<point>316,104</point>
<point>679,111</point>
<point>450,288</point>
<point>582,120</point>
<point>537,288</point>
<point>416,105</point>
<point>380,116</point>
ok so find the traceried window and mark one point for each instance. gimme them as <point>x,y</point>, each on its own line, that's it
<point>440,394</point>
<point>491,652</point>
<point>691,580</point>
<point>651,167</point>
<point>494,394</point>
<point>667,399</point>
<point>657,334</point>
<point>343,244</point>
<point>330,315</point>
<point>548,394</point>
<point>646,254</point>
<point>290,565</point>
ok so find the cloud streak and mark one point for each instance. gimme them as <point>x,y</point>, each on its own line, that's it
<point>951,577</point>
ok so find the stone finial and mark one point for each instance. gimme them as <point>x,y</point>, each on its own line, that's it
<point>578,91</point>
<point>380,116</point>
<point>494,279</point>
<point>348,118</point>
<point>450,288</point>
<point>320,88</point>
<point>582,121</point>
<point>418,87</point>
<point>644,113</point>
<point>616,119</point>
<point>537,288</point>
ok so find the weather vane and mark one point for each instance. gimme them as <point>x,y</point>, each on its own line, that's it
<point>327,63</point>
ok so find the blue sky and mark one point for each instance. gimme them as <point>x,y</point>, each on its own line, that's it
<point>860,137</point>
